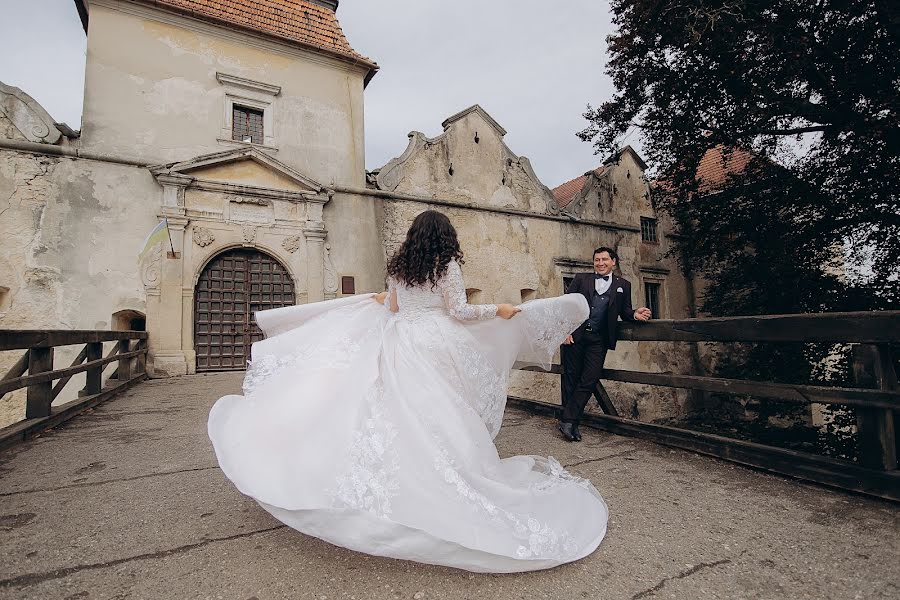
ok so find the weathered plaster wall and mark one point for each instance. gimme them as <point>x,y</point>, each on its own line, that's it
<point>71,231</point>
<point>354,240</point>
<point>507,255</point>
<point>469,162</point>
<point>161,101</point>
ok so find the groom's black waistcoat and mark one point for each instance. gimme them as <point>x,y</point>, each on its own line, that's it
<point>618,305</point>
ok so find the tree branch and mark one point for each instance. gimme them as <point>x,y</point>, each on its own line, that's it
<point>796,130</point>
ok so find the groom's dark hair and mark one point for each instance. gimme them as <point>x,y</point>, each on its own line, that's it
<point>610,251</point>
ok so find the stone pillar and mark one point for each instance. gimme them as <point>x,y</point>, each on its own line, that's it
<point>315,261</point>
<point>314,231</point>
<point>187,327</point>
<point>167,332</point>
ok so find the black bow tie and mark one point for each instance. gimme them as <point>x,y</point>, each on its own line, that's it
<point>603,277</point>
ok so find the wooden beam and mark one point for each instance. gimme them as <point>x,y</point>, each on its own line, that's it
<point>40,393</point>
<point>803,394</point>
<point>94,379</point>
<point>872,367</point>
<point>125,360</point>
<point>604,401</point>
<point>19,339</point>
<point>48,376</point>
<point>64,380</point>
<point>600,394</point>
<point>854,327</point>
<point>18,369</point>
<point>24,430</point>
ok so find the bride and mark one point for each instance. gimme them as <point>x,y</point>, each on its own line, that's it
<point>370,424</point>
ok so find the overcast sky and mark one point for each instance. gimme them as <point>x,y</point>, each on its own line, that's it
<point>532,64</point>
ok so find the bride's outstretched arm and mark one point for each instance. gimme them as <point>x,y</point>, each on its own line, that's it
<point>389,298</point>
<point>454,291</point>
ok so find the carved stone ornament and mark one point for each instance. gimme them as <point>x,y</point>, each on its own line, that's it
<point>248,200</point>
<point>33,122</point>
<point>291,244</point>
<point>203,237</point>
<point>331,278</point>
<point>249,234</point>
<point>150,267</point>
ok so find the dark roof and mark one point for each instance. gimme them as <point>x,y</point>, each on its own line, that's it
<point>565,193</point>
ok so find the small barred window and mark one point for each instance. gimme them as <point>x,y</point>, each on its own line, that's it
<point>247,125</point>
<point>648,230</point>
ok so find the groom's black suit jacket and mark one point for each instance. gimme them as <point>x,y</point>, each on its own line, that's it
<point>619,305</point>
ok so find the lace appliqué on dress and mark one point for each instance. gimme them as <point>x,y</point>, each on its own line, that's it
<point>372,479</point>
<point>488,387</point>
<point>454,291</point>
<point>549,326</point>
<point>539,540</point>
<point>558,476</point>
<point>338,354</point>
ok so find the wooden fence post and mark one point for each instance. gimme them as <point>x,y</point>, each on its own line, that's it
<point>94,381</point>
<point>124,370</point>
<point>140,362</point>
<point>872,368</point>
<point>40,395</point>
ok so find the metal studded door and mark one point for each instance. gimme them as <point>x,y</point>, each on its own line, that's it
<point>231,288</point>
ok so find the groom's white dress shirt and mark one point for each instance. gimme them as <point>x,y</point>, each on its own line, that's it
<point>601,286</point>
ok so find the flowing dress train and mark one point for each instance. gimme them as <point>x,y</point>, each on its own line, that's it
<point>374,430</point>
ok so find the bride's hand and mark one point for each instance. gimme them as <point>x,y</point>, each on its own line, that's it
<point>507,311</point>
<point>379,298</point>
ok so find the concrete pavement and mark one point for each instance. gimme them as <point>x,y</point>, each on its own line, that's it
<point>127,502</point>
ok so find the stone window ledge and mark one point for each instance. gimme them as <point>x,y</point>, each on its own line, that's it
<point>247,144</point>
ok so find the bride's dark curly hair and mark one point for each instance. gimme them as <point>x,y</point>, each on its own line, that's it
<point>429,247</point>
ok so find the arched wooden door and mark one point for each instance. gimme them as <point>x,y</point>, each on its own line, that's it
<point>231,288</point>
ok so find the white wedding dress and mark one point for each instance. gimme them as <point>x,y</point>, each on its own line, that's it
<point>374,431</point>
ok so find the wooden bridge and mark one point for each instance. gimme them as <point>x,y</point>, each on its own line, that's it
<point>126,501</point>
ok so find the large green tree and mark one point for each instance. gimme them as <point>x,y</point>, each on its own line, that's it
<point>810,85</point>
<point>810,91</point>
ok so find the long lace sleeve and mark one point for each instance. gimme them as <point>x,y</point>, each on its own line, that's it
<point>454,291</point>
<point>390,300</point>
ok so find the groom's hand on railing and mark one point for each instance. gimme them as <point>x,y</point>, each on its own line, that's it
<point>643,314</point>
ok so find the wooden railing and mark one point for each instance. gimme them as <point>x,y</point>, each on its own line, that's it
<point>34,371</point>
<point>876,399</point>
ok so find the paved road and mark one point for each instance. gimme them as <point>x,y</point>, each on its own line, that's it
<point>127,502</point>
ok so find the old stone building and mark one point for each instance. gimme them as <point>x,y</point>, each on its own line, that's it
<point>241,125</point>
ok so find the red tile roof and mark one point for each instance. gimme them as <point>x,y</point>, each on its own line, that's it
<point>565,193</point>
<point>712,173</point>
<point>301,21</point>
<point>716,166</point>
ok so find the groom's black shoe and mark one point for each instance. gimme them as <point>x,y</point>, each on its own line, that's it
<point>568,431</point>
<point>576,433</point>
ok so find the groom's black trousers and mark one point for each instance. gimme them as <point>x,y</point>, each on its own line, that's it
<point>582,365</point>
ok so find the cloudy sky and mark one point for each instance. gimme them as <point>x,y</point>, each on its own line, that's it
<point>533,65</point>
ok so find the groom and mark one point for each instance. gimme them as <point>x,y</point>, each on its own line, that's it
<point>609,298</point>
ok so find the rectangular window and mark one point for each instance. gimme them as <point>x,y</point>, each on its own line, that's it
<point>648,230</point>
<point>247,125</point>
<point>567,281</point>
<point>651,297</point>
